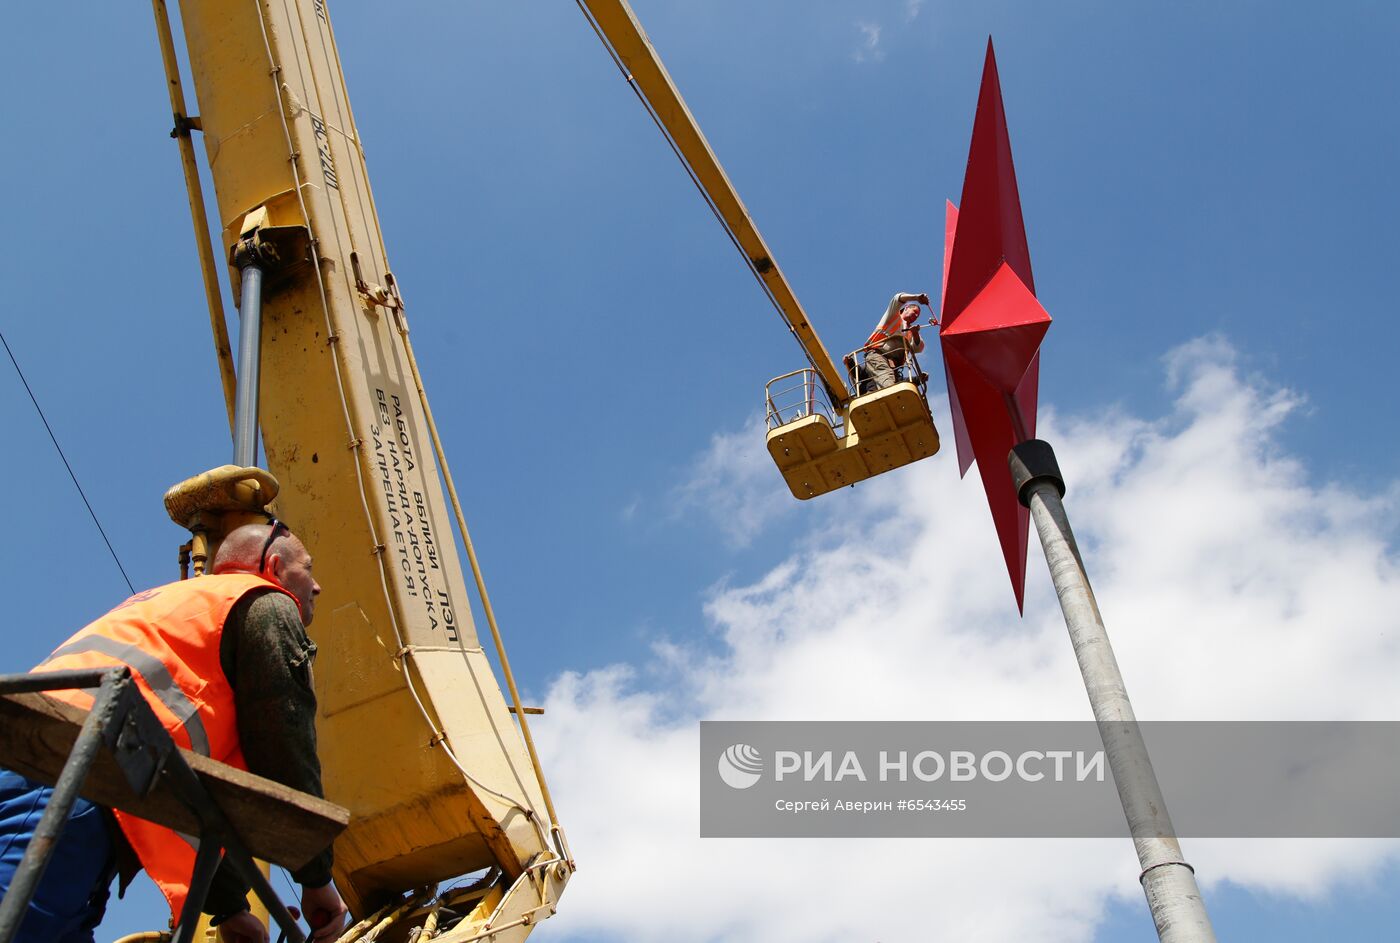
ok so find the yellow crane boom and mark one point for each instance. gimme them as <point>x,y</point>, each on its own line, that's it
<point>618,26</point>
<point>819,443</point>
<point>416,739</point>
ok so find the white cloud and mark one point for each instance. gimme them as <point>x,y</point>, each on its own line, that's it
<point>734,484</point>
<point>1233,586</point>
<point>869,49</point>
<point>912,8</point>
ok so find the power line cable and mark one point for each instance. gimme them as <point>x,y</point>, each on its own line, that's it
<point>54,438</point>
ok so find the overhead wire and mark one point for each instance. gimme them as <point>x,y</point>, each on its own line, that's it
<point>690,172</point>
<point>54,438</point>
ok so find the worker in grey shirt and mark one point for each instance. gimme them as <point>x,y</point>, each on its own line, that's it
<point>894,337</point>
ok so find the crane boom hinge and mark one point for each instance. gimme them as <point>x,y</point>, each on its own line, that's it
<point>273,248</point>
<point>252,250</point>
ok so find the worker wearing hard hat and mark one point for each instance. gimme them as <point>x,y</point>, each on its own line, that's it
<point>889,344</point>
<point>225,664</point>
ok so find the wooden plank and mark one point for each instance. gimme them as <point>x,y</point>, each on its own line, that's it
<point>276,823</point>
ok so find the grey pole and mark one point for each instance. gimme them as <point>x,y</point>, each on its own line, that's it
<point>245,415</point>
<point>1167,880</point>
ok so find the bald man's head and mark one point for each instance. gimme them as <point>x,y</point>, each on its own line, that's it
<point>276,556</point>
<point>241,549</point>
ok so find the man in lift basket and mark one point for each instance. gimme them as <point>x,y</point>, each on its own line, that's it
<point>893,338</point>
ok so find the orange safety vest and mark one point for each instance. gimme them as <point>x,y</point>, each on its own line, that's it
<point>886,332</point>
<point>890,325</point>
<point>882,334</point>
<point>169,637</point>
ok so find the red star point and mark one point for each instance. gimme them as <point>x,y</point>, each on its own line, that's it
<point>992,324</point>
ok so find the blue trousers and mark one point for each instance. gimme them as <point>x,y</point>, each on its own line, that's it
<point>72,896</point>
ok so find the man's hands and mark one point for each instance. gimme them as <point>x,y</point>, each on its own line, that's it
<point>923,300</point>
<point>324,910</point>
<point>242,928</point>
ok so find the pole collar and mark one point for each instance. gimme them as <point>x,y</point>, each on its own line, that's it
<point>1033,462</point>
<point>1164,864</point>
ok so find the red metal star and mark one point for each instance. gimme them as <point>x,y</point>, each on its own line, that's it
<point>992,324</point>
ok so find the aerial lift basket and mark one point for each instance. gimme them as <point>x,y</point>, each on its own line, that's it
<point>819,447</point>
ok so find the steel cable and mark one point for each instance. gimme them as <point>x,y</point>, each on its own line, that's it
<point>54,438</point>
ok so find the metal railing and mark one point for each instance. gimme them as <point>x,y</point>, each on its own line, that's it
<point>800,394</point>
<point>123,722</point>
<point>897,354</point>
<point>795,396</point>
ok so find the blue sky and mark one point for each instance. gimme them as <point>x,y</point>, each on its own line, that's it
<point>596,353</point>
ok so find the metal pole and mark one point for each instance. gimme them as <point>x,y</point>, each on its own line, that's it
<point>35,862</point>
<point>38,680</point>
<point>181,134</point>
<point>1167,880</point>
<point>206,862</point>
<point>216,829</point>
<point>245,420</point>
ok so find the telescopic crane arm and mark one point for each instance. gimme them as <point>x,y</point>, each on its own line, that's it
<point>618,26</point>
<point>817,446</point>
<point>415,736</point>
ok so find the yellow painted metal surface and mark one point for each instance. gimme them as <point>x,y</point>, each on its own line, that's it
<point>403,683</point>
<point>886,429</point>
<point>894,427</point>
<point>629,41</point>
<point>509,915</point>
